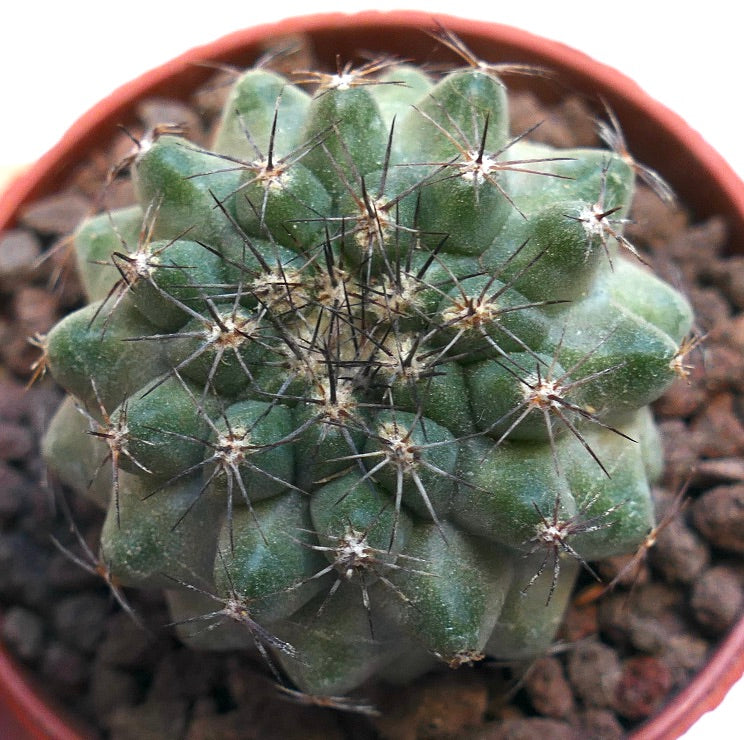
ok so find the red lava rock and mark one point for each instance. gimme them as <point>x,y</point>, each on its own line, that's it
<point>547,688</point>
<point>644,684</point>
<point>717,598</point>
<point>719,516</point>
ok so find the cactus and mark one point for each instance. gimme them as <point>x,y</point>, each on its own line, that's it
<point>366,383</point>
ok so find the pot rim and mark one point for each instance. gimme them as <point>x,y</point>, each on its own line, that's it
<point>686,155</point>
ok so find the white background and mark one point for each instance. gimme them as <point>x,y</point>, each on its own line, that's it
<point>58,58</point>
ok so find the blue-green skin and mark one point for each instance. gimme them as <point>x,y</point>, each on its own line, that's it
<point>250,457</point>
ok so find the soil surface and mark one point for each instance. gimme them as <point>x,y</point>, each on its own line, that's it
<point>621,653</point>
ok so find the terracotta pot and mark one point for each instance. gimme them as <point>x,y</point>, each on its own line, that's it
<point>656,136</point>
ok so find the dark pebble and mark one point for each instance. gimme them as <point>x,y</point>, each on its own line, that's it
<point>19,250</point>
<point>126,644</point>
<point>719,431</point>
<point>118,194</point>
<point>719,516</point>
<point>156,111</point>
<point>682,400</point>
<point>226,726</point>
<point>16,441</point>
<point>184,673</point>
<point>724,369</point>
<point>66,669</point>
<point>600,724</point>
<point>685,247</point>
<point>710,307</point>
<point>717,599</point>
<point>111,688</point>
<point>23,632</point>
<point>80,620</point>
<point>579,621</point>
<point>680,451</point>
<point>56,214</point>
<point>35,309</point>
<point>14,488</point>
<point>594,671</point>
<point>23,570</point>
<point>684,655</point>
<point>548,689</point>
<point>646,617</point>
<point>149,721</point>
<point>642,688</point>
<point>445,703</point>
<point>679,554</point>
<point>652,221</point>
<point>735,281</point>
<point>13,400</point>
<point>40,402</point>
<point>210,99</point>
<point>533,728</point>
<point>67,575</point>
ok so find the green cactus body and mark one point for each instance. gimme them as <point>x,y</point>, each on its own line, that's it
<point>367,383</point>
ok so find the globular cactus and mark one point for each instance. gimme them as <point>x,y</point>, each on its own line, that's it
<point>366,383</point>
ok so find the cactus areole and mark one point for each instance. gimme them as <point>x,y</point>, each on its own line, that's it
<point>365,384</point>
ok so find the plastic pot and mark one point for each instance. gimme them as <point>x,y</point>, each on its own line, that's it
<point>656,136</point>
